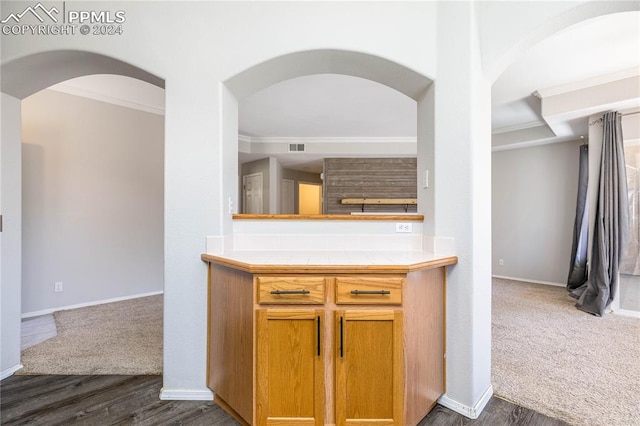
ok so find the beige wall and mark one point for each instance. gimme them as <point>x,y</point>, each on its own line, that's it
<point>534,200</point>
<point>92,201</point>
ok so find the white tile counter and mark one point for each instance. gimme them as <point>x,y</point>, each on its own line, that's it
<point>263,261</point>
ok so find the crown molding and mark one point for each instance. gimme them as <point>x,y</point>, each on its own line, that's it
<point>516,127</point>
<point>583,84</point>
<point>325,140</point>
<point>74,90</point>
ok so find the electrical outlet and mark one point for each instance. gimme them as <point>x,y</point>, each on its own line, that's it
<point>501,262</point>
<point>230,205</point>
<point>57,287</point>
<point>403,227</point>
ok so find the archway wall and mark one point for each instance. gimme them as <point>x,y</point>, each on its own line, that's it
<point>196,47</point>
<point>309,62</point>
<point>541,20</point>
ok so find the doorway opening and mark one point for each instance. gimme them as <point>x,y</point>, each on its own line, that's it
<point>310,199</point>
<point>90,190</point>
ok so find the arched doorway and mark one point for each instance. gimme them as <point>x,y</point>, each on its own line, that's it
<point>552,161</point>
<point>21,78</point>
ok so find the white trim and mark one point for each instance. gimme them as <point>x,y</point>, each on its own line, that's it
<point>325,140</point>
<point>101,97</point>
<point>186,395</point>
<point>84,305</point>
<point>9,371</point>
<point>465,410</point>
<point>533,143</point>
<point>244,138</point>
<point>521,126</point>
<point>627,313</point>
<point>527,280</point>
<point>587,83</point>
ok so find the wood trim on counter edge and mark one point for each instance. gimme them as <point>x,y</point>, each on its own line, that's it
<point>323,269</point>
<point>383,217</point>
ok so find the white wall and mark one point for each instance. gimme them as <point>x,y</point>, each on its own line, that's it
<point>92,201</point>
<point>10,237</point>
<point>534,201</point>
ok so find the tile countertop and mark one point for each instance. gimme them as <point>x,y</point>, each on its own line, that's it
<point>329,261</point>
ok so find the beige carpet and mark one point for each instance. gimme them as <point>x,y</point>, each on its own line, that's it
<point>114,338</point>
<point>564,363</point>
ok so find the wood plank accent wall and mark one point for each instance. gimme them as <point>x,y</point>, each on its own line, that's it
<point>369,178</point>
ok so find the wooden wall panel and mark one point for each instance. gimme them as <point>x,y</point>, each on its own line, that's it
<point>369,178</point>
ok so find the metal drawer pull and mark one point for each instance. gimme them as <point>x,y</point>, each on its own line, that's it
<point>290,292</point>
<point>357,292</point>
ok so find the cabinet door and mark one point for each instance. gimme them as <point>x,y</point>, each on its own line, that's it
<point>289,367</point>
<point>369,383</point>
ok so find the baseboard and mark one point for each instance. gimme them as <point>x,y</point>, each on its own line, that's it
<point>9,371</point>
<point>465,410</point>
<point>526,280</point>
<point>186,395</point>
<point>84,305</point>
<point>627,313</point>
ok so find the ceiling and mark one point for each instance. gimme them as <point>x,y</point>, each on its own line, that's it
<point>358,113</point>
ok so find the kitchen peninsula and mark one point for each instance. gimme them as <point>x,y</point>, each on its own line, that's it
<point>317,337</point>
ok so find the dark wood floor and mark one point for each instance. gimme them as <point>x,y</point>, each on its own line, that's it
<point>133,400</point>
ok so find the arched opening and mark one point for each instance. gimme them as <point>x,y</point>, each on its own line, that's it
<point>80,166</point>
<point>350,137</point>
<point>543,102</point>
<point>300,64</point>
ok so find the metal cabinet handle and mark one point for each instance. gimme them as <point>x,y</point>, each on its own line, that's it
<point>290,292</point>
<point>357,292</point>
<point>341,339</point>
<point>318,335</point>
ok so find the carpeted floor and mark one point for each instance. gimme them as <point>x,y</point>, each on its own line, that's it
<point>564,363</point>
<point>114,338</point>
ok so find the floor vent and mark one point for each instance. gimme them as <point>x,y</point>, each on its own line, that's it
<point>296,147</point>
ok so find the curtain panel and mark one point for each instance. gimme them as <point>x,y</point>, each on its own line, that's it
<point>611,223</point>
<point>578,268</point>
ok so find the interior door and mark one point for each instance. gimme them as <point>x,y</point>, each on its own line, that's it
<point>252,193</point>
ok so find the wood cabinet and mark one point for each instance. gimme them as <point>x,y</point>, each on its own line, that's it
<point>316,347</point>
<point>369,370</point>
<point>289,367</point>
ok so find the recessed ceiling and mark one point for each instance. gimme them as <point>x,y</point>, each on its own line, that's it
<point>598,48</point>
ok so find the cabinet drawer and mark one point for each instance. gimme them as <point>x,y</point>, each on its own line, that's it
<point>368,291</point>
<point>291,290</point>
